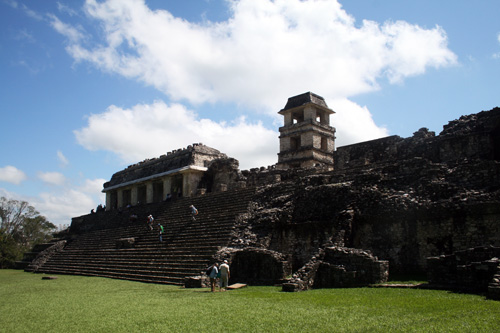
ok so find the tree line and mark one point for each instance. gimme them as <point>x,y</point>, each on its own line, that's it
<point>21,228</point>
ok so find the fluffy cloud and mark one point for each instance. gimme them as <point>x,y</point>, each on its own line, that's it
<point>59,207</point>
<point>72,200</point>
<point>11,174</point>
<point>93,186</point>
<point>357,123</point>
<point>148,130</point>
<point>52,178</point>
<point>266,51</point>
<point>64,203</point>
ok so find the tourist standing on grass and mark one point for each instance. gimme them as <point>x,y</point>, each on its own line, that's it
<point>194,212</point>
<point>224,275</point>
<point>213,276</point>
<point>160,232</point>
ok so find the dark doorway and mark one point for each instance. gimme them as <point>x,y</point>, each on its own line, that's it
<point>495,141</point>
<point>141,195</point>
<point>177,186</point>
<point>158,192</point>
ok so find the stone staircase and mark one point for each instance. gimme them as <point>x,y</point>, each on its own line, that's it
<point>186,250</point>
<point>28,257</point>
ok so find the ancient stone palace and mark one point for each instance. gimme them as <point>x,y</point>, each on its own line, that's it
<point>320,217</point>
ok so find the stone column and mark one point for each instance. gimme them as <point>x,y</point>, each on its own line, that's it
<point>120,198</point>
<point>186,190</point>
<point>309,113</point>
<point>133,195</point>
<point>108,200</point>
<point>167,186</point>
<point>149,192</point>
<point>190,181</point>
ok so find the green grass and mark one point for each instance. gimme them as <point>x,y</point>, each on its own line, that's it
<point>85,304</point>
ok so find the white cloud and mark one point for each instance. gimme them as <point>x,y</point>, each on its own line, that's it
<point>60,207</point>
<point>66,9</point>
<point>264,53</point>
<point>148,130</point>
<point>267,51</point>
<point>64,203</point>
<point>356,123</point>
<point>52,178</point>
<point>62,159</point>
<point>71,33</point>
<point>11,174</point>
<point>94,187</point>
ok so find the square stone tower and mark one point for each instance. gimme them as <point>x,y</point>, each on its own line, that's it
<point>306,140</point>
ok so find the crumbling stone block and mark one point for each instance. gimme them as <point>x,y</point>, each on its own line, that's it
<point>125,243</point>
<point>472,270</point>
<point>339,267</point>
<point>195,282</point>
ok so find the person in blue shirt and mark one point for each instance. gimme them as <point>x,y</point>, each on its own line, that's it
<point>194,212</point>
<point>213,276</point>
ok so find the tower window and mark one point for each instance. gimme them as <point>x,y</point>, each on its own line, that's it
<point>297,117</point>
<point>295,143</point>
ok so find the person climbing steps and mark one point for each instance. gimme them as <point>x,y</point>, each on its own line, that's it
<point>194,212</point>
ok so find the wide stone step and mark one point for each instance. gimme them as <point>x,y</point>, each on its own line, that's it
<point>125,269</point>
<point>130,276</point>
<point>192,263</point>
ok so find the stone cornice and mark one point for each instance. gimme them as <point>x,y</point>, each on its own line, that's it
<point>158,175</point>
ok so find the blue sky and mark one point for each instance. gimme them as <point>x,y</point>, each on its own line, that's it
<point>90,87</point>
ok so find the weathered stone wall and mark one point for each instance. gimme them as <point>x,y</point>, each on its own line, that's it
<point>470,270</point>
<point>255,266</point>
<point>408,237</point>
<point>475,136</point>
<point>339,267</point>
<point>362,154</point>
<point>222,175</point>
<point>403,212</point>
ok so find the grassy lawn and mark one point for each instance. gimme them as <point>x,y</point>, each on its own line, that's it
<point>86,304</point>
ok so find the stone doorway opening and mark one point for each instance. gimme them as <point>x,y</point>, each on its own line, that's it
<point>495,141</point>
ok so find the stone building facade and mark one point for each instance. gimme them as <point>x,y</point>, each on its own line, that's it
<point>172,175</point>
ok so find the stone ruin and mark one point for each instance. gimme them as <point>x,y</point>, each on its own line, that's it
<point>339,267</point>
<point>323,218</point>
<point>475,270</point>
<point>403,200</point>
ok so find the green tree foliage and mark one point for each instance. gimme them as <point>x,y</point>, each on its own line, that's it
<point>21,227</point>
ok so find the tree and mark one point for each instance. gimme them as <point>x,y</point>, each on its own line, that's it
<point>21,227</point>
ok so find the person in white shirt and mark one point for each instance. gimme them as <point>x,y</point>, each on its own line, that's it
<point>224,275</point>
